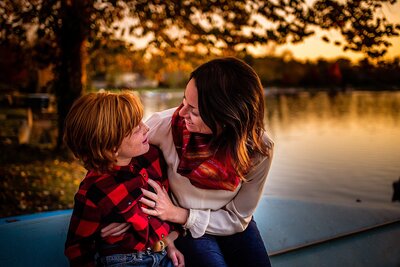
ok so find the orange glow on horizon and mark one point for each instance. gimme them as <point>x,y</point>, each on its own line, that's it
<point>313,47</point>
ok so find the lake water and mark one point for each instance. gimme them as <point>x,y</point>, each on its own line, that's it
<point>343,148</point>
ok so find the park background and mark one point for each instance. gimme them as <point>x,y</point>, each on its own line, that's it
<point>50,53</point>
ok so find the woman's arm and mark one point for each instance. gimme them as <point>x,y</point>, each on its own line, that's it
<point>232,218</point>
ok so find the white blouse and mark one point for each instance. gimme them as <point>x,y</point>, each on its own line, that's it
<point>216,212</point>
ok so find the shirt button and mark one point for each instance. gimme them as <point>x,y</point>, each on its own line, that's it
<point>148,217</point>
<point>130,203</point>
<point>162,235</point>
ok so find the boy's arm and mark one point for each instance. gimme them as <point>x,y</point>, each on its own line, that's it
<point>85,222</point>
<point>172,237</point>
<point>173,253</point>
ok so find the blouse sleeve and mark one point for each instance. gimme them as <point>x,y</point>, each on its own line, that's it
<point>236,215</point>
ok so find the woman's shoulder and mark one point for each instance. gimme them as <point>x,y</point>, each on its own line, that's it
<point>160,120</point>
<point>161,115</point>
<point>160,127</point>
<point>268,140</point>
<point>259,159</point>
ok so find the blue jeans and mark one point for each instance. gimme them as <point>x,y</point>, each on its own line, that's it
<point>240,249</point>
<point>138,259</point>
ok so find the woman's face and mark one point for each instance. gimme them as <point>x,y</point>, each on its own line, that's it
<point>190,110</point>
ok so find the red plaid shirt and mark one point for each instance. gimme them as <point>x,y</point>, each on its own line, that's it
<point>113,197</point>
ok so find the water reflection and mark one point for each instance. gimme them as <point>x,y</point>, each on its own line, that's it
<point>344,147</point>
<point>356,108</point>
<point>154,101</point>
<point>340,148</point>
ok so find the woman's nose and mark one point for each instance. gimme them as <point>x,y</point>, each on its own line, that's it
<point>184,111</point>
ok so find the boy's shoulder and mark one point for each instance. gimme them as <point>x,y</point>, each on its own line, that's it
<point>93,178</point>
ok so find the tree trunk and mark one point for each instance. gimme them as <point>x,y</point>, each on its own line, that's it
<point>71,76</point>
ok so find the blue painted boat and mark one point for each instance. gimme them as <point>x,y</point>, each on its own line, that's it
<point>296,233</point>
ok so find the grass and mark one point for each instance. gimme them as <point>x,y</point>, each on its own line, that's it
<point>36,179</point>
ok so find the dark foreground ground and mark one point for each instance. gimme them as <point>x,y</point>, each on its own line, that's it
<point>36,179</point>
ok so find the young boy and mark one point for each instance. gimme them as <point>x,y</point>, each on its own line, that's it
<point>106,132</point>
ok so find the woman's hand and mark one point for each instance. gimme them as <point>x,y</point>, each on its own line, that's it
<point>160,205</point>
<point>114,229</point>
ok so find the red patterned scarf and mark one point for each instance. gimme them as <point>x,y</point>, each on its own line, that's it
<point>205,168</point>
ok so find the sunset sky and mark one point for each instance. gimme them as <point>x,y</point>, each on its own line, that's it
<point>313,47</point>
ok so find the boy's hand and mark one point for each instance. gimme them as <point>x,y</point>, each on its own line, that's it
<point>114,229</point>
<point>175,255</point>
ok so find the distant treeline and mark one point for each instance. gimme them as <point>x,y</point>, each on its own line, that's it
<point>283,70</point>
<point>339,74</point>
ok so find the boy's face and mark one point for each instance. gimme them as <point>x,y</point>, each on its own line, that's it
<point>133,145</point>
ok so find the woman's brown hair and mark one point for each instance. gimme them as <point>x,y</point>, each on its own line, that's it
<point>231,103</point>
<point>96,125</point>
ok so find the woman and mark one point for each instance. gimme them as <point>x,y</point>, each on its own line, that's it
<point>218,158</point>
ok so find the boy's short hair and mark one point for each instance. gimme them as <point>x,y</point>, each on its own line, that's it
<point>96,125</point>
